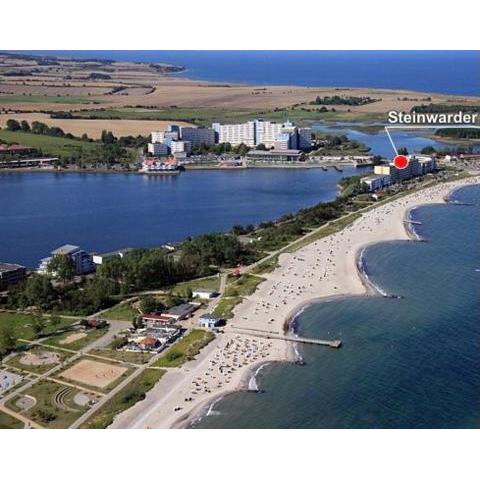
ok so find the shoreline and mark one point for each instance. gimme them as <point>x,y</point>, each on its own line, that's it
<point>320,271</point>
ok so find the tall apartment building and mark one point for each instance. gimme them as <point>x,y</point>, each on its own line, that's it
<point>416,166</point>
<point>180,146</point>
<point>81,260</point>
<point>11,274</point>
<point>304,138</point>
<point>281,136</point>
<point>236,133</point>
<point>158,149</point>
<point>165,135</point>
<point>268,132</point>
<point>198,136</point>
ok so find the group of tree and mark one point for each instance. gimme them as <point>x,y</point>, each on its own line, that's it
<point>461,133</point>
<point>221,148</point>
<point>338,100</point>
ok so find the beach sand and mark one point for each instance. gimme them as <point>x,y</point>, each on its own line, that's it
<point>324,268</point>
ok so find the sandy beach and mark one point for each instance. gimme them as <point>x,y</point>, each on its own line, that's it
<point>324,268</point>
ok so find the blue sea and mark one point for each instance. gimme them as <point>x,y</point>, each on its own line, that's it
<point>452,72</point>
<point>405,363</point>
<point>101,212</point>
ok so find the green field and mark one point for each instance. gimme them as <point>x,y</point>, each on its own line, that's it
<point>205,116</point>
<point>126,398</point>
<point>138,358</point>
<point>22,324</point>
<point>55,146</point>
<point>243,286</point>
<point>46,412</point>
<point>210,283</point>
<point>91,336</point>
<point>45,99</point>
<point>225,306</point>
<point>122,311</point>
<point>8,422</point>
<point>185,349</point>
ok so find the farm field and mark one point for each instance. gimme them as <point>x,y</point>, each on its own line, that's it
<point>93,128</point>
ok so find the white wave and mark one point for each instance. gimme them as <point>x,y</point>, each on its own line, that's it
<point>411,226</point>
<point>361,267</point>
<point>252,383</point>
<point>211,409</point>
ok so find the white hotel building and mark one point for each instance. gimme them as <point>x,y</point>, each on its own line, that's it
<point>237,133</point>
<point>281,136</point>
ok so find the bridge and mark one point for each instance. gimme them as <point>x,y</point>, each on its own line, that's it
<point>289,338</point>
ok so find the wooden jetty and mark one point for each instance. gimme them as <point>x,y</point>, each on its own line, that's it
<point>290,338</point>
<point>412,222</point>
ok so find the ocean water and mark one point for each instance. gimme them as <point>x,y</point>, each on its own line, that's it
<point>452,72</point>
<point>405,363</point>
<point>102,212</point>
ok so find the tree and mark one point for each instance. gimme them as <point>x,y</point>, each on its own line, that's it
<point>149,304</point>
<point>55,321</point>
<point>428,150</point>
<point>25,127</point>
<point>402,151</point>
<point>8,338</point>
<point>108,137</point>
<point>62,266</point>
<point>261,146</point>
<point>38,324</point>
<point>12,125</point>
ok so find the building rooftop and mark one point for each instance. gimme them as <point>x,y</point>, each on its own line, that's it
<point>9,267</point>
<point>208,316</point>
<point>181,309</point>
<point>65,250</point>
<point>121,251</point>
<point>275,152</point>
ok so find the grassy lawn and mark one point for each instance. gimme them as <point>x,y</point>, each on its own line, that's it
<point>38,369</point>
<point>44,99</point>
<point>22,324</point>
<point>185,349</point>
<point>48,413</point>
<point>8,422</point>
<point>225,306</point>
<point>122,311</point>
<point>127,397</point>
<point>205,116</point>
<point>210,283</point>
<point>242,286</point>
<point>91,336</point>
<point>55,146</point>
<point>267,266</point>
<point>138,358</point>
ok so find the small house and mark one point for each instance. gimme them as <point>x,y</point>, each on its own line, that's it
<point>204,293</point>
<point>207,320</point>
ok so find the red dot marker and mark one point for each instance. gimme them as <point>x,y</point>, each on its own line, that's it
<point>401,161</point>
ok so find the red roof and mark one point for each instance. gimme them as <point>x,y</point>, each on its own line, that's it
<point>156,317</point>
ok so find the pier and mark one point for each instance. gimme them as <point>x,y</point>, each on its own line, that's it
<point>289,338</point>
<point>412,222</point>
